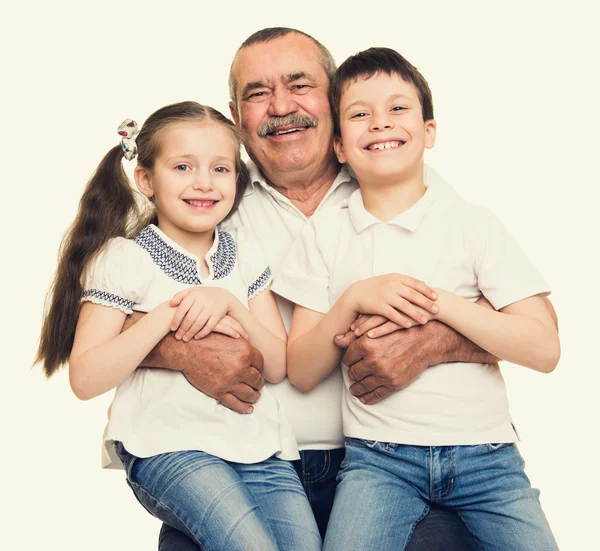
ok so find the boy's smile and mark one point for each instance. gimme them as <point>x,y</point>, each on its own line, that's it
<point>383,135</point>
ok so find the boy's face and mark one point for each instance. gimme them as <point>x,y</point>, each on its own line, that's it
<point>382,129</point>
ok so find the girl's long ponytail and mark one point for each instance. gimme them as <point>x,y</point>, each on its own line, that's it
<point>105,211</point>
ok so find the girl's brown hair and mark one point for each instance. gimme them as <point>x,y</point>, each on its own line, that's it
<point>109,208</point>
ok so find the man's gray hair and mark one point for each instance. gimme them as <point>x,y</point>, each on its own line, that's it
<point>272,33</point>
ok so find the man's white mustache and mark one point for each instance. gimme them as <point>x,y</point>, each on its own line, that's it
<point>292,119</point>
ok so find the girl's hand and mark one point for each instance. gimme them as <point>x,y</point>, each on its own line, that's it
<point>401,299</point>
<point>199,311</point>
<point>228,326</point>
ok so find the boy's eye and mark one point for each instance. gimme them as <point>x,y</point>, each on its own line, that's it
<point>221,169</point>
<point>359,115</point>
<point>182,168</point>
<point>398,108</point>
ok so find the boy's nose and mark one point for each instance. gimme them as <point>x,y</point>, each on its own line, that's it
<point>379,125</point>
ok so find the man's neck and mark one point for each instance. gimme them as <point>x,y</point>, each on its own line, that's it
<point>305,188</point>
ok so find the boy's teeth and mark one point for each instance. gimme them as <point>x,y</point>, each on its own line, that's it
<point>384,145</point>
<point>200,203</point>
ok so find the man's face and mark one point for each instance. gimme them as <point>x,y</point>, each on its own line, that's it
<point>283,104</point>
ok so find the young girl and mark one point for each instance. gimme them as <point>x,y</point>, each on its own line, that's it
<point>218,476</point>
<point>447,438</point>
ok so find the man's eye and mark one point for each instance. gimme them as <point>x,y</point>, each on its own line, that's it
<point>182,168</point>
<point>300,86</point>
<point>221,169</point>
<point>256,95</point>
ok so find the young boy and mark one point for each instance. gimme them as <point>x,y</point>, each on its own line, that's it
<point>448,437</point>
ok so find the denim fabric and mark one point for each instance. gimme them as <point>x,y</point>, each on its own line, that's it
<point>385,489</point>
<point>224,506</point>
<point>440,530</point>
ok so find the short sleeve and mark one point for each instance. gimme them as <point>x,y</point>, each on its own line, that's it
<point>117,277</point>
<point>304,277</point>
<point>255,271</point>
<point>504,272</point>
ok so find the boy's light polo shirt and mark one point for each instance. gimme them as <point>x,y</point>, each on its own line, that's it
<point>276,222</point>
<point>447,243</point>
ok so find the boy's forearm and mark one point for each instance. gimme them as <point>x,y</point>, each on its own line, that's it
<point>521,339</point>
<point>312,356</point>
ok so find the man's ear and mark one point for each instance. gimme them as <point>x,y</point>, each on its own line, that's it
<point>234,113</point>
<point>430,133</point>
<point>339,149</point>
<point>143,181</point>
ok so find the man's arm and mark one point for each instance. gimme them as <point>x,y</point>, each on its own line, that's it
<point>385,365</point>
<point>227,369</point>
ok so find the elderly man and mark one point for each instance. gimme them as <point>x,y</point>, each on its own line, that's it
<point>279,84</point>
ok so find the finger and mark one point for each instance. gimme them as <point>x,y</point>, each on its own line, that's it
<point>360,370</point>
<point>393,310</point>
<point>344,341</point>
<point>256,361</point>
<point>365,385</point>
<point>180,313</point>
<point>419,286</point>
<point>370,323</point>
<point>235,325</point>
<point>382,330</point>
<point>253,378</point>
<point>245,393</point>
<point>224,329</point>
<point>353,354</point>
<point>210,324</point>
<point>191,321</point>
<point>356,323</point>
<point>178,297</point>
<point>418,299</point>
<point>232,403</point>
<point>376,395</point>
<point>198,321</point>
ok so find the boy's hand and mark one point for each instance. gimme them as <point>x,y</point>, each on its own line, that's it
<point>401,299</point>
<point>374,326</point>
<point>199,311</point>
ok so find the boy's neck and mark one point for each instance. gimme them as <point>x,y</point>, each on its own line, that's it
<point>386,199</point>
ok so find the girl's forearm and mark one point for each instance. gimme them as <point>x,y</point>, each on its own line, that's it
<point>312,356</point>
<point>516,338</point>
<point>272,348</point>
<point>105,366</point>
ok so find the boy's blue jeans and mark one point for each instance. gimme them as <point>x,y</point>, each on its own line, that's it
<point>385,489</point>
<point>438,531</point>
<point>224,506</point>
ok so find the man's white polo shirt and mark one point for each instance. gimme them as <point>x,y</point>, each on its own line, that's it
<point>447,243</point>
<point>274,220</point>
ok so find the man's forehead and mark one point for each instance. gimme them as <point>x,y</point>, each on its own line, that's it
<point>276,60</point>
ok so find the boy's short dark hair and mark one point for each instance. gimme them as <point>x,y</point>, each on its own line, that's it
<point>369,62</point>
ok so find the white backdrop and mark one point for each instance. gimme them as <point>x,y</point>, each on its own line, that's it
<point>515,88</point>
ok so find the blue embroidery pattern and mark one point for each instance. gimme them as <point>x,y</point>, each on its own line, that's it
<point>223,260</point>
<point>180,267</point>
<point>108,299</point>
<point>260,283</point>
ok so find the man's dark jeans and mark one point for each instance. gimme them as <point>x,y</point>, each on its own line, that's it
<point>439,531</point>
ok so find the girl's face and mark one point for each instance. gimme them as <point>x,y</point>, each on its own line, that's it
<point>194,180</point>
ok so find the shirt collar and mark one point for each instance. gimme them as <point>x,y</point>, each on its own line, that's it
<point>409,220</point>
<point>345,175</point>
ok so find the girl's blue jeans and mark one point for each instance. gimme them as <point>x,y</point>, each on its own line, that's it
<point>385,489</point>
<point>225,506</point>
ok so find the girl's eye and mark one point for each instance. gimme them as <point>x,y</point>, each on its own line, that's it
<point>221,169</point>
<point>182,168</point>
<point>359,115</point>
<point>398,108</point>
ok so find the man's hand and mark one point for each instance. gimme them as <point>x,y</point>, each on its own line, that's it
<point>387,364</point>
<point>227,369</point>
<point>384,365</point>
